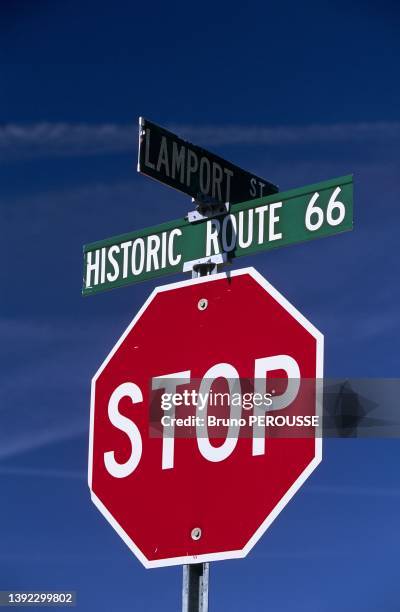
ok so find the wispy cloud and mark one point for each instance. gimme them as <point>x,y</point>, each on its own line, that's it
<point>38,556</point>
<point>44,394</point>
<point>41,473</point>
<point>354,490</point>
<point>293,134</point>
<point>64,139</point>
<point>24,141</point>
<point>37,435</point>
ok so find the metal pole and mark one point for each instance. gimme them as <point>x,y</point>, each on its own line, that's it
<point>195,587</point>
<point>196,575</point>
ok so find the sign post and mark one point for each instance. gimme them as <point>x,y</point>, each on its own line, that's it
<point>135,436</point>
<point>195,587</point>
<point>195,578</point>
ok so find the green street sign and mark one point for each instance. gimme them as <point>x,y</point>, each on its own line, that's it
<point>290,217</point>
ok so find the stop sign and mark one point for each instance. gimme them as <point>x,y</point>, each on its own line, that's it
<point>178,499</point>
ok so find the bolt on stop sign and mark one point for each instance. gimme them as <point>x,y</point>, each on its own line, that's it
<point>175,489</point>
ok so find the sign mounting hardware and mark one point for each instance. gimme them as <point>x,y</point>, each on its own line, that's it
<point>207,209</point>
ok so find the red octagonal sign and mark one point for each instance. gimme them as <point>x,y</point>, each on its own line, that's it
<point>200,497</point>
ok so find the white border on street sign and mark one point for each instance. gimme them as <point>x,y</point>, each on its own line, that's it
<point>229,554</point>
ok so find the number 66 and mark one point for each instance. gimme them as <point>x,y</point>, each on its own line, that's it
<point>333,205</point>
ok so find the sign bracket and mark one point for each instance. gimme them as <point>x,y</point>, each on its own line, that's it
<point>207,209</point>
<point>205,265</point>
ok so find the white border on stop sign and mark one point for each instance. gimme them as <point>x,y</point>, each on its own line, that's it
<point>230,554</point>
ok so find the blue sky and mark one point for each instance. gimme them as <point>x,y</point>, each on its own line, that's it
<point>296,92</point>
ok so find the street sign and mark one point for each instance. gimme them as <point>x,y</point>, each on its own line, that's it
<point>177,499</point>
<point>195,171</point>
<point>290,217</point>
